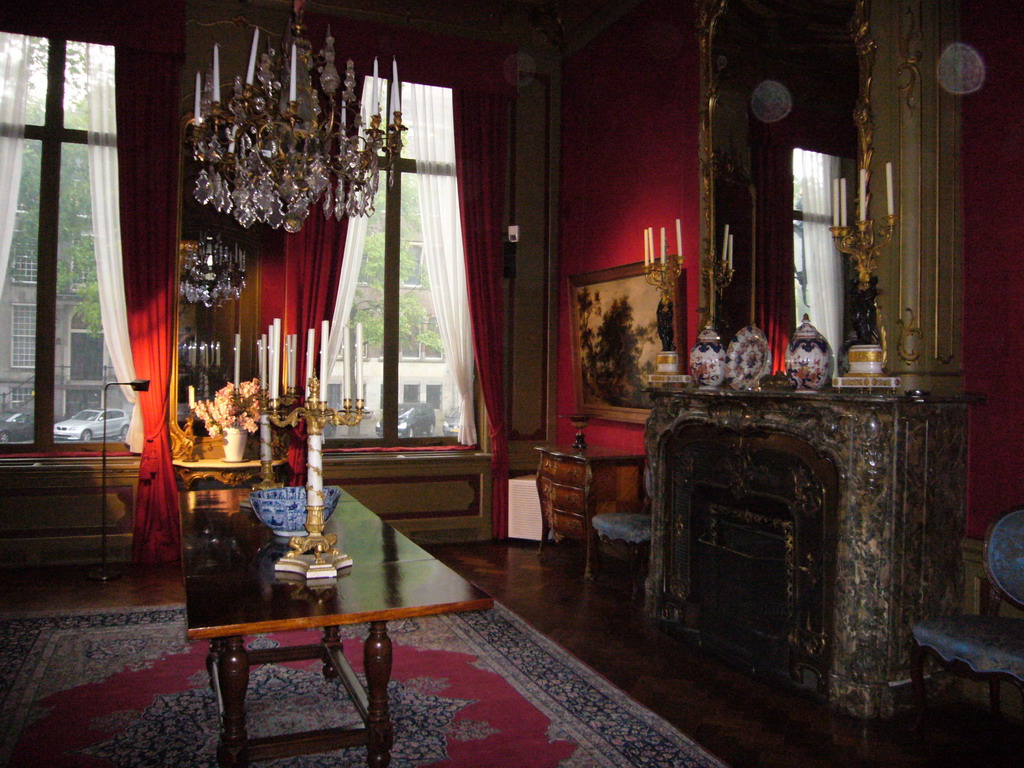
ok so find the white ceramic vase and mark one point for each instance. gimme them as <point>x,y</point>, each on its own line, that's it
<point>234,444</point>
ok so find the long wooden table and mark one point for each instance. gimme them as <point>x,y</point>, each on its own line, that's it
<point>232,590</point>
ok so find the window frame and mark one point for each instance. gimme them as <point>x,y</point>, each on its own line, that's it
<point>52,135</point>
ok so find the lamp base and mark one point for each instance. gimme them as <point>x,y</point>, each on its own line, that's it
<point>306,565</point>
<point>104,573</point>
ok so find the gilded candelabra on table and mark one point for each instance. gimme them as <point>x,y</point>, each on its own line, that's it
<point>315,554</point>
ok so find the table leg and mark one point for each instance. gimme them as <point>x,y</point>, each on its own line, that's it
<point>332,639</point>
<point>233,675</point>
<point>377,661</point>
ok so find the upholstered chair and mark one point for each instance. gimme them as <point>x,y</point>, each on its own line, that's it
<point>634,529</point>
<point>986,647</point>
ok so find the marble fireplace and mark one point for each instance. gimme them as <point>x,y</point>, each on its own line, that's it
<point>801,535</point>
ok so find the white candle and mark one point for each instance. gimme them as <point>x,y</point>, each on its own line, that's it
<point>199,91</point>
<point>275,352</point>
<point>216,73</point>
<point>309,357</point>
<point>663,246</point>
<point>238,356</point>
<point>842,202</point>
<point>396,103</point>
<point>725,244</point>
<point>261,359</point>
<point>191,397</point>
<point>359,361</point>
<point>835,202</point>
<point>293,361</point>
<point>252,56</point>
<point>374,85</point>
<point>216,352</point>
<point>731,244</point>
<point>647,255</point>
<point>679,241</point>
<point>291,82</point>
<point>863,207</point>
<point>890,202</point>
<point>325,367</point>
<point>347,383</point>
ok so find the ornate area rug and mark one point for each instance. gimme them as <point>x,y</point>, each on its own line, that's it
<point>468,690</point>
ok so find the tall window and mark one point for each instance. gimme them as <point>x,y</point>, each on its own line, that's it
<point>817,268</point>
<point>49,296</point>
<point>406,278</point>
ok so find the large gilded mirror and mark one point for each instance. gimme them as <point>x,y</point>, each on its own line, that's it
<point>780,84</point>
<point>220,267</point>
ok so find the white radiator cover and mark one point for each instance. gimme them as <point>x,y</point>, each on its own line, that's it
<point>524,508</point>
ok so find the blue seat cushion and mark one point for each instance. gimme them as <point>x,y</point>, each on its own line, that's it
<point>984,643</point>
<point>624,526</point>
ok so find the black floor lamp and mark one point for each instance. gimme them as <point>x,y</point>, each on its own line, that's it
<point>103,572</point>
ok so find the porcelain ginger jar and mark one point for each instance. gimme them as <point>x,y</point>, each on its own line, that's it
<point>808,358</point>
<point>707,359</point>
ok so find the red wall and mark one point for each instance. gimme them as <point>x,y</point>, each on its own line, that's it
<point>629,161</point>
<point>993,329</point>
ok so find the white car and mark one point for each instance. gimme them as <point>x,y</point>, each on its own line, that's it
<point>87,426</point>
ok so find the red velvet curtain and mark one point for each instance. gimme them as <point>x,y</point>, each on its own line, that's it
<point>148,149</point>
<point>313,257</point>
<point>481,147</point>
<point>773,144</point>
<point>773,176</point>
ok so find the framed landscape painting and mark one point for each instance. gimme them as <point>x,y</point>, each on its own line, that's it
<point>615,341</point>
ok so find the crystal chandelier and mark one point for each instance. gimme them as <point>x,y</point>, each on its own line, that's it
<point>278,144</point>
<point>214,271</point>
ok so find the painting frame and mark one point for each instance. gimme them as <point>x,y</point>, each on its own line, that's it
<point>607,384</point>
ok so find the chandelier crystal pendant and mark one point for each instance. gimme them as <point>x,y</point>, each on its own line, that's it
<point>213,272</point>
<point>279,145</point>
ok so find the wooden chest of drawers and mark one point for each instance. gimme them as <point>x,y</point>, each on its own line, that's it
<point>574,486</point>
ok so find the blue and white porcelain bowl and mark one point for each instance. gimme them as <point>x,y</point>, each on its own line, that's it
<point>283,510</point>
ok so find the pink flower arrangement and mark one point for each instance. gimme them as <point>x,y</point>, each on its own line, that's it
<point>232,408</point>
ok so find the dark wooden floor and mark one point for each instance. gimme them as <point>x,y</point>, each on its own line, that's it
<point>746,723</point>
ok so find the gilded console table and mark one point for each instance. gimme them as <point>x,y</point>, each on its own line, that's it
<point>859,499</point>
<point>230,474</point>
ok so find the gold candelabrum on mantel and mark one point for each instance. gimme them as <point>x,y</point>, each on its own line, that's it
<point>663,273</point>
<point>315,554</point>
<point>862,243</point>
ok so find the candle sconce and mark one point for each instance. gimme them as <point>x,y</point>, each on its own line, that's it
<point>722,273</point>
<point>314,555</point>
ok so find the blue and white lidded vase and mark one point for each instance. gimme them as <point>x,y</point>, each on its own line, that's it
<point>707,359</point>
<point>808,358</point>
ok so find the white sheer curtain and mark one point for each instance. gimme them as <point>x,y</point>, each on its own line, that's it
<point>429,112</point>
<point>13,94</point>
<point>355,239</point>
<point>102,137</point>
<point>814,172</point>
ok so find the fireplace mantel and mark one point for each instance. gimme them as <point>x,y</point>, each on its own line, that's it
<point>895,517</point>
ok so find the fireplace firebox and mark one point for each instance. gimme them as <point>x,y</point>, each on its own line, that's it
<point>752,573</point>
